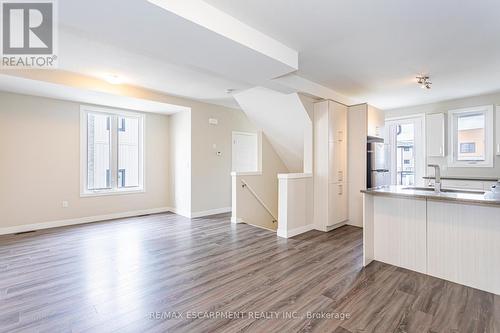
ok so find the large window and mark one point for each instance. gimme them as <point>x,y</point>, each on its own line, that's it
<point>471,137</point>
<point>111,151</point>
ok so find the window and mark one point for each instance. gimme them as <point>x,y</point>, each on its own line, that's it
<point>111,151</point>
<point>406,161</point>
<point>471,137</point>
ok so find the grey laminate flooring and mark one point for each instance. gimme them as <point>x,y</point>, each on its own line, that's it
<point>164,273</point>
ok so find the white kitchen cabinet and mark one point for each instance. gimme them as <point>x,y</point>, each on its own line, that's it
<point>464,244</point>
<point>497,130</point>
<point>330,164</point>
<point>435,134</point>
<point>400,232</point>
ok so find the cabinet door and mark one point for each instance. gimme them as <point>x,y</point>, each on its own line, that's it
<point>400,232</point>
<point>337,162</point>
<point>464,244</point>
<point>338,122</point>
<point>435,135</point>
<point>338,203</point>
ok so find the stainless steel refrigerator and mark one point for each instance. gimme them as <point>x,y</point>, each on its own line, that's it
<point>377,172</point>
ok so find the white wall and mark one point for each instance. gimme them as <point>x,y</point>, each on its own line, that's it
<point>308,103</point>
<point>282,118</point>
<point>180,162</point>
<point>443,107</point>
<point>40,164</point>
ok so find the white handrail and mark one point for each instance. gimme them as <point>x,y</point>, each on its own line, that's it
<point>245,184</point>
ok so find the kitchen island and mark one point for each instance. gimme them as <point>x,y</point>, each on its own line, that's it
<point>453,235</point>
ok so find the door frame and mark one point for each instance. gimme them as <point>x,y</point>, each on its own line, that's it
<point>258,136</point>
<point>420,153</point>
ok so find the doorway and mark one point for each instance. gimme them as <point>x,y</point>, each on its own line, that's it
<point>245,152</point>
<point>406,140</point>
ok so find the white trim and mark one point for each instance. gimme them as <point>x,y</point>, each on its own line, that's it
<point>329,228</point>
<point>294,232</point>
<point>180,212</point>
<point>236,220</point>
<point>294,175</point>
<point>256,173</point>
<point>488,138</point>
<point>80,220</point>
<point>410,116</point>
<point>211,212</point>
<point>84,111</point>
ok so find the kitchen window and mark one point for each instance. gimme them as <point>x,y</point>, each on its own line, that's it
<point>112,160</point>
<point>471,137</point>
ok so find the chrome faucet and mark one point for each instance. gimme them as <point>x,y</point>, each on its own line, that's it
<point>437,175</point>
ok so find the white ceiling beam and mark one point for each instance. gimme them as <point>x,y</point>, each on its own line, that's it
<point>211,18</point>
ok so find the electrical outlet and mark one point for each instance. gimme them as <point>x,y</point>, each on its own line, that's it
<point>65,204</point>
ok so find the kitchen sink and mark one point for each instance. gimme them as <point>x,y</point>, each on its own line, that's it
<point>444,190</point>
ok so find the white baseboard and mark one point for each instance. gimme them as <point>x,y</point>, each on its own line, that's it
<point>236,220</point>
<point>211,212</point>
<point>181,212</point>
<point>294,232</point>
<point>80,220</point>
<point>330,227</point>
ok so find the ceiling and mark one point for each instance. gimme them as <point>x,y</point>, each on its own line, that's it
<point>372,50</point>
<point>365,51</point>
<point>156,49</point>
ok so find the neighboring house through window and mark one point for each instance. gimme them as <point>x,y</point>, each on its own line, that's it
<point>111,151</point>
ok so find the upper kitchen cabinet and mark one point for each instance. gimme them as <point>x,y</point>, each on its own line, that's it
<point>435,133</point>
<point>375,122</point>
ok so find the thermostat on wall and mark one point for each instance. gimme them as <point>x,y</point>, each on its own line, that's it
<point>213,121</point>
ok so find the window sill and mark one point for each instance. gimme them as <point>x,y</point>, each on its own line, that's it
<point>114,192</point>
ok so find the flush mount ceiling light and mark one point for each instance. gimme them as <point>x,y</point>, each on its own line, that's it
<point>424,81</point>
<point>113,78</point>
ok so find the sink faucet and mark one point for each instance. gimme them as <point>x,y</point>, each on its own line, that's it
<point>437,175</point>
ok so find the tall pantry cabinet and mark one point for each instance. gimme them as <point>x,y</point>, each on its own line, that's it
<point>330,165</point>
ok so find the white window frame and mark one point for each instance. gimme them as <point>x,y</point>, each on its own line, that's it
<point>453,148</point>
<point>85,110</point>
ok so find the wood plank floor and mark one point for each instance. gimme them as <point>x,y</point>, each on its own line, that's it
<point>166,273</point>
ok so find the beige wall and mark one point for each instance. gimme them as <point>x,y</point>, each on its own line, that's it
<point>265,186</point>
<point>444,107</point>
<point>40,164</point>
<point>211,174</point>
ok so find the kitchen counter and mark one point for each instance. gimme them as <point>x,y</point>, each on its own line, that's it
<point>450,235</point>
<point>468,197</point>
<point>479,179</point>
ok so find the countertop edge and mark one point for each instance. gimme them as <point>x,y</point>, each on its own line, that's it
<point>477,179</point>
<point>485,202</point>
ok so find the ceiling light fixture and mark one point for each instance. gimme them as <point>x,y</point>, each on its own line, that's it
<point>113,78</point>
<point>424,81</point>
